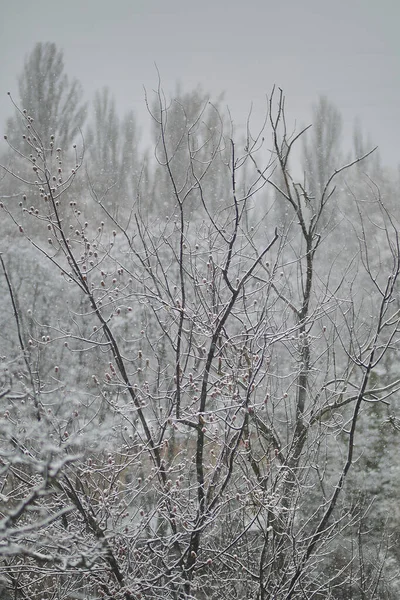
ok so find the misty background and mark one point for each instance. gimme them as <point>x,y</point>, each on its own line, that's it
<point>347,50</point>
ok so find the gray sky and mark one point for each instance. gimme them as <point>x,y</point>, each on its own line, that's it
<point>346,49</point>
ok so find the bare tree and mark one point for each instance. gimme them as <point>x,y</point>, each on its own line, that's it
<point>192,131</point>
<point>206,450</point>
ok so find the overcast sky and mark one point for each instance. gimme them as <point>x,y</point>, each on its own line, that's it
<point>346,49</point>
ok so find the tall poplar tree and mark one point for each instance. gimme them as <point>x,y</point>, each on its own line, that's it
<point>48,95</point>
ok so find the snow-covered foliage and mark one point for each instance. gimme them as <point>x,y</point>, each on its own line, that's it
<point>198,385</point>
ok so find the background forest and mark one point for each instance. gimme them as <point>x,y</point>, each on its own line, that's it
<point>199,388</point>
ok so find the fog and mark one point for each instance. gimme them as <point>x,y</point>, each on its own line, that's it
<point>348,51</point>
